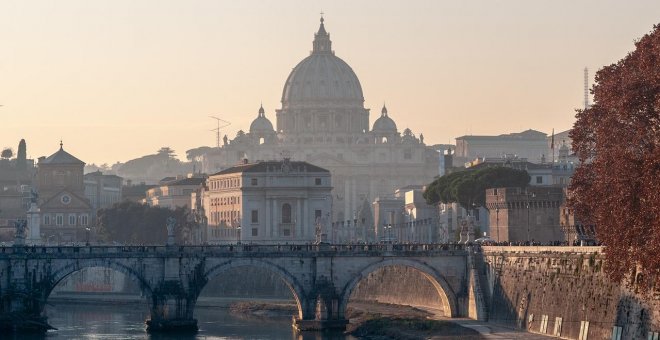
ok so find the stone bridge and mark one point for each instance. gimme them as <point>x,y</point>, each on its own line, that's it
<point>321,277</point>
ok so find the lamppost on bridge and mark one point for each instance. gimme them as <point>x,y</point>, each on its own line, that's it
<point>87,229</point>
<point>388,228</point>
<point>528,205</point>
<point>497,222</point>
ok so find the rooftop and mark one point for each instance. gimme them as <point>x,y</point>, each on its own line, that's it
<point>272,166</point>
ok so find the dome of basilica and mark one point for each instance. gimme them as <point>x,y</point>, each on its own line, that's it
<point>261,124</point>
<point>322,77</point>
<point>384,124</point>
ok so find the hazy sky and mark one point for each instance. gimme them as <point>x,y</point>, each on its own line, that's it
<point>118,79</point>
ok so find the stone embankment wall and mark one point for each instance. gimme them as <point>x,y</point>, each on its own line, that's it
<point>564,291</point>
<point>398,285</point>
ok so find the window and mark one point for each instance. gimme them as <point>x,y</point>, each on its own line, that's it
<point>286,213</point>
<point>83,219</point>
<point>59,219</point>
<point>254,181</point>
<point>317,181</point>
<point>72,219</point>
<point>255,216</point>
<point>317,215</point>
<point>255,232</point>
<point>539,179</point>
<point>407,154</point>
<point>46,219</point>
<point>287,232</point>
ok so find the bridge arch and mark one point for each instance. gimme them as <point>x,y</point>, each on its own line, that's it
<point>290,281</point>
<point>60,274</point>
<point>447,295</point>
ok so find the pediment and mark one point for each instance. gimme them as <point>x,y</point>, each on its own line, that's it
<point>65,200</point>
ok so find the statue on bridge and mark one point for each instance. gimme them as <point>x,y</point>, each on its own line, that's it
<point>170,223</point>
<point>19,239</point>
<point>467,230</point>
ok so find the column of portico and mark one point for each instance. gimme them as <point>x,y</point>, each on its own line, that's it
<point>306,223</point>
<point>353,199</point>
<point>275,232</point>
<point>299,220</point>
<point>268,220</point>
<point>347,197</point>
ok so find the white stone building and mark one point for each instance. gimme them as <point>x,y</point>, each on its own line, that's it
<point>101,190</point>
<point>406,217</point>
<point>529,144</point>
<point>323,121</point>
<point>267,202</point>
<point>174,193</point>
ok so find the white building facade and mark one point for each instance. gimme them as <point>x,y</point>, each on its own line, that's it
<point>268,202</point>
<point>101,190</point>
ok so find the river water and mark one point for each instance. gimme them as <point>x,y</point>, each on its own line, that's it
<point>127,322</point>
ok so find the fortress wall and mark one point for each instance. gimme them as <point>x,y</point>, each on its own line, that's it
<point>526,284</point>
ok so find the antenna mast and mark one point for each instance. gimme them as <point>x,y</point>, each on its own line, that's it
<point>586,88</point>
<point>217,129</point>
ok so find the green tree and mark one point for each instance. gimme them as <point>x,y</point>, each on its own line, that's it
<point>7,153</point>
<point>468,188</point>
<point>616,188</point>
<point>134,223</point>
<point>21,156</point>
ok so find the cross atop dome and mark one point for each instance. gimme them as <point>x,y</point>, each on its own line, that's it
<point>322,43</point>
<point>383,112</point>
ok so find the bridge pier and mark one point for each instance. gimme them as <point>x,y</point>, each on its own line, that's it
<point>321,312</point>
<point>172,310</point>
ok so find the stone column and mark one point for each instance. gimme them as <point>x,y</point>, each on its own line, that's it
<point>353,199</point>
<point>347,197</point>
<point>275,231</point>
<point>306,221</point>
<point>268,221</point>
<point>299,221</point>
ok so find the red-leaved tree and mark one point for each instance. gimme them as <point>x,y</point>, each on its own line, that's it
<point>617,185</point>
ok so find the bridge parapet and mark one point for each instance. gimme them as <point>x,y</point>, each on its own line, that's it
<point>234,250</point>
<point>543,249</point>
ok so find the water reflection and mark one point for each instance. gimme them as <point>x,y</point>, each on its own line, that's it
<point>127,322</point>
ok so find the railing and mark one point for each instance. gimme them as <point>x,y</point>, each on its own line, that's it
<point>543,249</point>
<point>339,249</point>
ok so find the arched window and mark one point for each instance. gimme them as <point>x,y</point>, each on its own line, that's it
<point>286,213</point>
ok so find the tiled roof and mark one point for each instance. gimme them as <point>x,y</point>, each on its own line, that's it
<point>187,181</point>
<point>61,157</point>
<point>527,134</point>
<point>263,167</point>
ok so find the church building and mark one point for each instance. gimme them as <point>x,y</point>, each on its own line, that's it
<point>323,121</point>
<point>65,211</point>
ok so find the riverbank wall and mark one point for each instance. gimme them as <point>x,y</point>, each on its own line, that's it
<point>564,291</point>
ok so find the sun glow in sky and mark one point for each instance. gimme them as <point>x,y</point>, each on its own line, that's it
<point>118,79</point>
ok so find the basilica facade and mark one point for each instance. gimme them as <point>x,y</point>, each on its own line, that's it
<point>323,121</point>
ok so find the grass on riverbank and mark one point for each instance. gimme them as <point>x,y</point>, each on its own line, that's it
<point>412,329</point>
